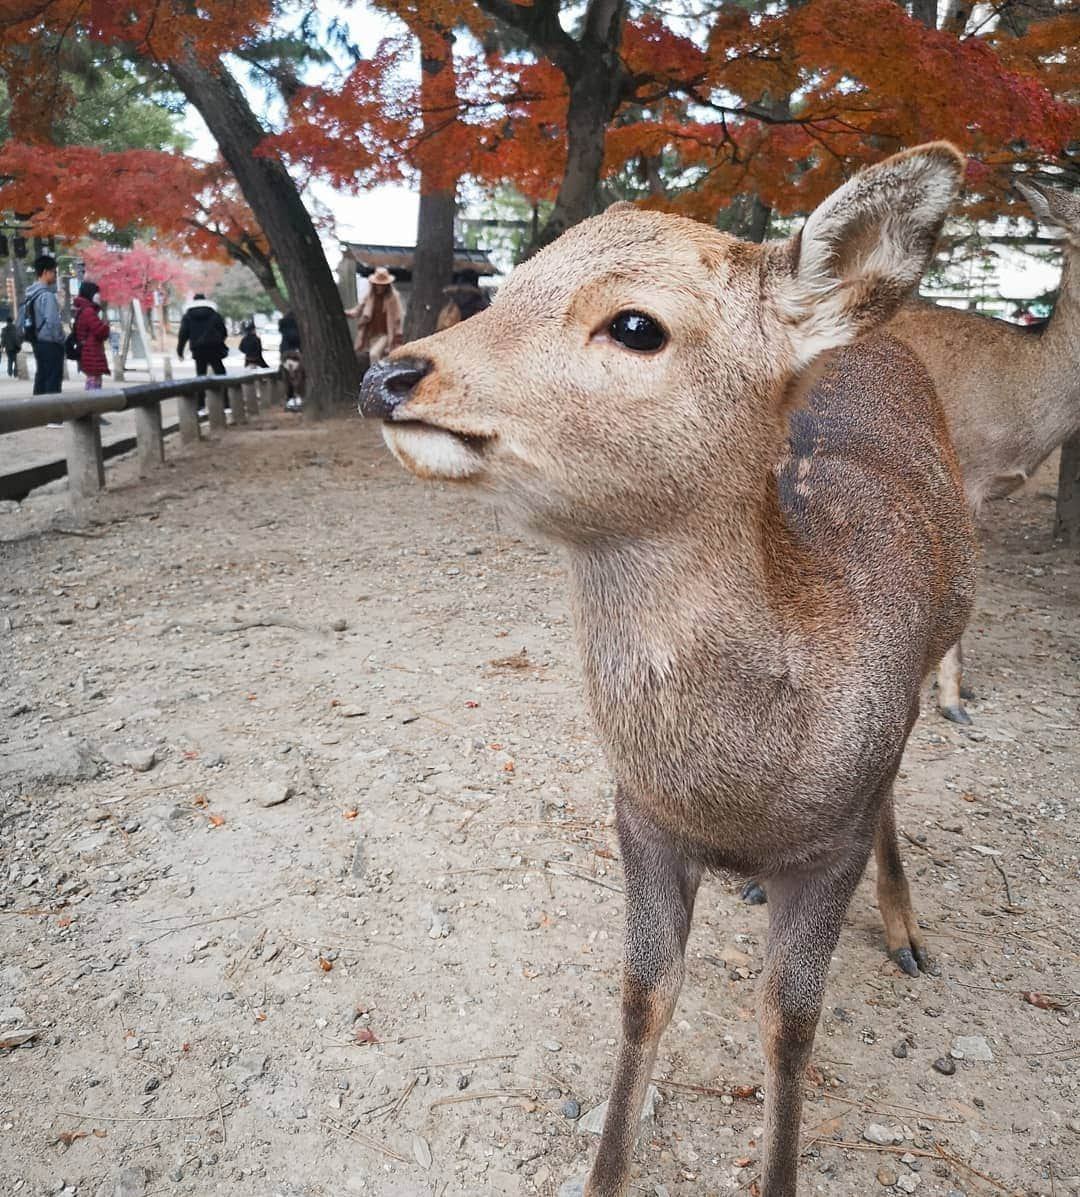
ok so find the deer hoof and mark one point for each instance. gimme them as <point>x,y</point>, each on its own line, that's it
<point>753,894</point>
<point>906,960</point>
<point>572,1188</point>
<point>955,714</point>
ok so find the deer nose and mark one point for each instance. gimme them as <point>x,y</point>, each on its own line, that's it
<point>389,384</point>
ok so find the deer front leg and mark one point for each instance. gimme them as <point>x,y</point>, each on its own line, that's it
<point>660,889</point>
<point>805,915</point>
<point>902,935</point>
<point>950,691</point>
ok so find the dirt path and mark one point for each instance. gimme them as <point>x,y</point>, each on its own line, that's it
<point>402,978</point>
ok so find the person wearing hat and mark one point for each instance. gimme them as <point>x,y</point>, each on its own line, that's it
<point>380,317</point>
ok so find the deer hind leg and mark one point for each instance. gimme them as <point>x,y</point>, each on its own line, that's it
<point>902,935</point>
<point>660,889</point>
<point>950,690</point>
<point>805,916</point>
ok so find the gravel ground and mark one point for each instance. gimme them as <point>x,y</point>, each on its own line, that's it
<point>308,884</point>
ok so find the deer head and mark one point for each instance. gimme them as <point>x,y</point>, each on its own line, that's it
<point>639,368</point>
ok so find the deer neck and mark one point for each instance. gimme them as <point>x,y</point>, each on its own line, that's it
<point>1055,371</point>
<point>655,614</point>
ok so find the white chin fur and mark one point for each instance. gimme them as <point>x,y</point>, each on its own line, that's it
<point>431,453</point>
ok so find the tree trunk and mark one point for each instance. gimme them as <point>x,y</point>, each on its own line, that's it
<point>925,11</point>
<point>594,95</point>
<point>433,262</point>
<point>1067,521</point>
<point>760,215</point>
<point>329,362</point>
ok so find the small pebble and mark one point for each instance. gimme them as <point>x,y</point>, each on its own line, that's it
<point>886,1176</point>
<point>570,1108</point>
<point>552,1045</point>
<point>463,1081</point>
<point>945,1065</point>
<point>338,625</point>
<point>900,1050</point>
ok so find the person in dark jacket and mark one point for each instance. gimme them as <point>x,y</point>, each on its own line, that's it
<point>203,329</point>
<point>91,333</point>
<point>9,342</point>
<point>290,332</point>
<point>251,347</point>
<point>463,300</point>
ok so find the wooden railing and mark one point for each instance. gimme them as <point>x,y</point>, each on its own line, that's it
<point>247,393</point>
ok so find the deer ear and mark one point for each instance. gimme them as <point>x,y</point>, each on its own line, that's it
<point>1052,206</point>
<point>864,248</point>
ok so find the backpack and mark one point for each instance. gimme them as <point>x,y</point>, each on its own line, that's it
<point>26,327</point>
<point>72,348</point>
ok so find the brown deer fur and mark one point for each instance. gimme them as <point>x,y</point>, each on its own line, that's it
<point>761,576</point>
<point>1011,394</point>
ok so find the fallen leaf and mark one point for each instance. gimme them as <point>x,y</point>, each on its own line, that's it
<point>260,1016</point>
<point>1043,1002</point>
<point>421,1152</point>
<point>185,1047</point>
<point>99,1133</point>
<point>190,754</point>
<point>64,921</point>
<point>520,660</point>
<point>350,814</point>
<point>335,702</point>
<point>744,1161</point>
<point>252,697</point>
<point>68,1137</point>
<point>216,821</point>
<point>744,1091</point>
<point>508,767</point>
<point>471,705</point>
<point>366,1035</point>
<point>200,800</point>
<point>325,965</point>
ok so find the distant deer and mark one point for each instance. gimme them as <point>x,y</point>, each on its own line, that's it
<point>755,613</point>
<point>1011,394</point>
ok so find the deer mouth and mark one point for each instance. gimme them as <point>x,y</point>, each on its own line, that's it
<point>434,451</point>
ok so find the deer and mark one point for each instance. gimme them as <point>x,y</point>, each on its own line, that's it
<point>1011,394</point>
<point>767,546</point>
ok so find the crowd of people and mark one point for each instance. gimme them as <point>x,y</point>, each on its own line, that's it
<point>380,325</point>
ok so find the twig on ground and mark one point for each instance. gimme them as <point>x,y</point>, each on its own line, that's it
<point>221,918</point>
<point>269,621</point>
<point>1008,891</point>
<point>461,1063</point>
<point>366,1140</point>
<point>482,1095</point>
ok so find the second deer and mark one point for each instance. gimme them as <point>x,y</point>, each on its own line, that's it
<point>767,551</point>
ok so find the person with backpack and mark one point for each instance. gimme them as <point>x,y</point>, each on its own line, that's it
<point>91,332</point>
<point>9,342</point>
<point>203,329</point>
<point>40,325</point>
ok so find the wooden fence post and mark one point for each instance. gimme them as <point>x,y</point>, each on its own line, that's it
<point>1067,520</point>
<point>236,402</point>
<point>215,408</point>
<point>151,442</point>
<point>249,400</point>
<point>85,463</point>
<point>188,408</point>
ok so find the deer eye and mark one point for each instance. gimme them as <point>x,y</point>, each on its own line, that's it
<point>638,332</point>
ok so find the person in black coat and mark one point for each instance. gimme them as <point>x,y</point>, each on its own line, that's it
<point>204,330</point>
<point>251,347</point>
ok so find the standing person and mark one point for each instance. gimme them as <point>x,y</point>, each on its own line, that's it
<point>251,346</point>
<point>464,299</point>
<point>203,329</point>
<point>9,342</point>
<point>91,332</point>
<point>42,309</point>
<point>380,318</point>
<point>292,366</point>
